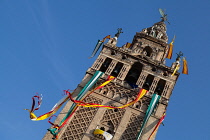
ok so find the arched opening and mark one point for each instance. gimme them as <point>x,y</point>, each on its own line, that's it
<point>147,51</point>
<point>160,86</point>
<point>134,73</point>
<point>117,69</point>
<point>148,82</point>
<point>105,65</point>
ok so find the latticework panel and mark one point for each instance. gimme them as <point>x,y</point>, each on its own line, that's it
<point>81,120</point>
<point>111,119</point>
<point>132,128</point>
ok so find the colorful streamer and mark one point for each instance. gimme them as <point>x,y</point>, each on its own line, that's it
<point>170,51</point>
<point>109,79</point>
<point>107,135</point>
<point>141,93</point>
<point>157,126</point>
<point>91,82</point>
<point>48,114</point>
<point>185,67</point>
<point>152,105</point>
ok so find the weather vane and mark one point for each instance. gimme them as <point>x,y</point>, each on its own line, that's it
<point>164,16</point>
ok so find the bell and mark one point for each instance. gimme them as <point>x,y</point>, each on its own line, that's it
<point>105,65</point>
<point>146,85</point>
<point>133,75</point>
<point>158,90</point>
<point>115,72</point>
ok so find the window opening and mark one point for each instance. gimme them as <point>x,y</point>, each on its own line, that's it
<point>105,65</point>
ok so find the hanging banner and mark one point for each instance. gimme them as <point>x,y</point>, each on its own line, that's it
<point>170,51</point>
<point>152,105</point>
<point>185,67</point>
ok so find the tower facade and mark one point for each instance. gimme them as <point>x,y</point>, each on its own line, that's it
<point>135,66</point>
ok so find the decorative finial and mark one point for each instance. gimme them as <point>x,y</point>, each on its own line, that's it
<point>179,56</point>
<point>164,16</point>
<point>119,31</point>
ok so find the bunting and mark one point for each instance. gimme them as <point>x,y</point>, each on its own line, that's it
<point>170,51</point>
<point>157,126</point>
<point>185,67</point>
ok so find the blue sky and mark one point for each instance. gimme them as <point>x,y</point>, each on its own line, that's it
<point>45,45</point>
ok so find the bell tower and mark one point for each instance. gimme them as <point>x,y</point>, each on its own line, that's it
<point>135,66</point>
